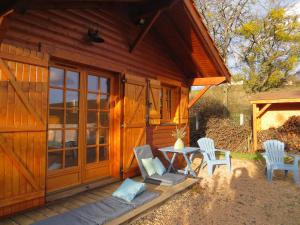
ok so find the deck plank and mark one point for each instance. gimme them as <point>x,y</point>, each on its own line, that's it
<point>7,222</point>
<point>47,212</point>
<point>64,205</point>
<point>154,203</point>
<point>22,219</point>
<point>84,199</point>
<point>35,215</point>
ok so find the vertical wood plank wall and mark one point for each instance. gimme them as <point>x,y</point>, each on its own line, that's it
<point>22,135</point>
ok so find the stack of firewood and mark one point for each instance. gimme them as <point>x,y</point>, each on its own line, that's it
<point>289,133</point>
<point>225,133</point>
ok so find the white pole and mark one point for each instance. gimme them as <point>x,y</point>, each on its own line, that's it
<point>241,119</point>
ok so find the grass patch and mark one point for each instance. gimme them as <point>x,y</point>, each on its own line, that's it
<point>242,155</point>
<point>249,156</point>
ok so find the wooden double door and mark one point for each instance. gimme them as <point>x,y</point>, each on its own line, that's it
<point>79,127</point>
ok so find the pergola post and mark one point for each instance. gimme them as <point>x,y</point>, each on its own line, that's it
<point>254,110</point>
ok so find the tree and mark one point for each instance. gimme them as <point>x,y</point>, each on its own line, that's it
<point>257,39</point>
<point>270,49</point>
<point>222,18</point>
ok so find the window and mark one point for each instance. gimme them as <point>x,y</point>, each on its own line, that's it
<point>97,131</point>
<point>166,104</point>
<point>63,118</point>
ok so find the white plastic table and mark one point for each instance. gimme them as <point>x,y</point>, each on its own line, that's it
<point>185,151</point>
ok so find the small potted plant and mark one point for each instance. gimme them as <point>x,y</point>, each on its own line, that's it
<point>179,134</point>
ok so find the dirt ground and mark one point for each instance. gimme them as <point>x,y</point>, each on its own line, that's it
<point>243,197</point>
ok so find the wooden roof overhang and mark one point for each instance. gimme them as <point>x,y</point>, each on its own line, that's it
<point>176,22</point>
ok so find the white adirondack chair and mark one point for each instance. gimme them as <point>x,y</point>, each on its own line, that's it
<point>274,156</point>
<point>208,151</point>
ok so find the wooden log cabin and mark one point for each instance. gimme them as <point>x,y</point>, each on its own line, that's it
<point>83,82</point>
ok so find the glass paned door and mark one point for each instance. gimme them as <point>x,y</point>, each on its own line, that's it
<point>78,128</point>
<point>63,122</point>
<point>97,127</point>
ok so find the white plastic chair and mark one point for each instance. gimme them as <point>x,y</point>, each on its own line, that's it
<point>274,156</point>
<point>208,150</point>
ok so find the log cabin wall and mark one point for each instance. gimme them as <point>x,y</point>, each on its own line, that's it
<point>61,35</point>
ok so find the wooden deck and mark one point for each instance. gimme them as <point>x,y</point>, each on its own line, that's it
<point>76,201</point>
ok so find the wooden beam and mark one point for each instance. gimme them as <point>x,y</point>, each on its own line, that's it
<point>208,81</point>
<point>144,32</point>
<point>148,8</point>
<point>198,96</point>
<point>158,8</point>
<point>254,131</point>
<point>262,111</point>
<point>17,162</point>
<point>19,91</point>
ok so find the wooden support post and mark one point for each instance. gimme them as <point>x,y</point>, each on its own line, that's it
<point>4,15</point>
<point>141,36</point>
<point>197,96</point>
<point>254,111</point>
<point>262,111</point>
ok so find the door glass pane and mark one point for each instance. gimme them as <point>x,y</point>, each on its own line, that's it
<point>56,98</point>
<point>72,80</point>
<point>93,83</point>
<point>103,153</point>
<point>56,118</point>
<point>72,118</point>
<point>71,138</point>
<point>92,101</point>
<point>104,119</point>
<point>104,82</point>
<point>91,135</point>
<point>72,99</point>
<point>104,102</point>
<point>55,160</point>
<point>91,155</point>
<point>56,77</point>
<point>55,138</point>
<point>92,119</point>
<point>103,136</point>
<point>71,158</point>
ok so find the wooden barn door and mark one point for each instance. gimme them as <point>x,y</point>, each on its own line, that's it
<point>134,121</point>
<point>23,115</point>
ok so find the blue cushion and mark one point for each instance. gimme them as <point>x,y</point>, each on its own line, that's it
<point>158,166</point>
<point>148,165</point>
<point>129,189</point>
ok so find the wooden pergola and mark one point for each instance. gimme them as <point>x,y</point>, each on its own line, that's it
<point>272,109</point>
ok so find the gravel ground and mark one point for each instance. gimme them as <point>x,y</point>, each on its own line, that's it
<point>243,197</point>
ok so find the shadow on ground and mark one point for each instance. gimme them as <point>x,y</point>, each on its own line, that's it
<point>243,197</point>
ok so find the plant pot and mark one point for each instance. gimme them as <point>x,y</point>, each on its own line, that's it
<point>179,145</point>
